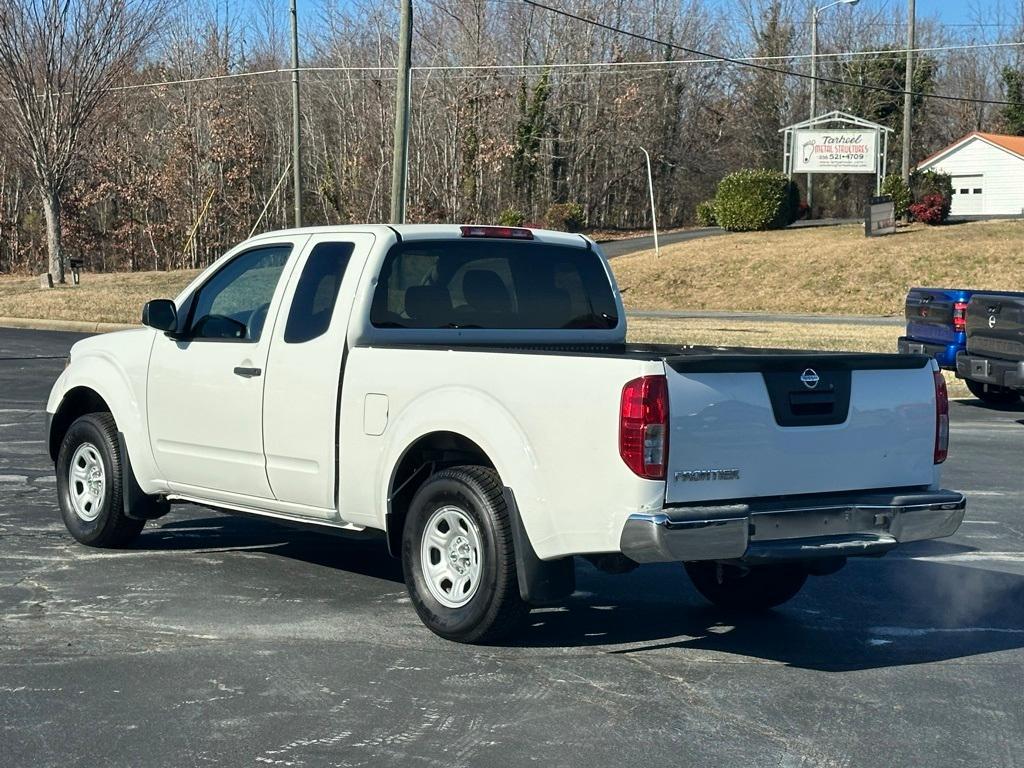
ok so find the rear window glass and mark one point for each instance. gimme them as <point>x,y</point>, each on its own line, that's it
<point>492,284</point>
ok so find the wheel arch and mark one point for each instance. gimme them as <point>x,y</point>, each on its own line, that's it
<point>540,582</point>
<point>434,450</point>
<point>77,401</point>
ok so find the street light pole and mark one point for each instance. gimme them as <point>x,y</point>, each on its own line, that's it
<point>296,125</point>
<point>908,100</point>
<point>650,188</point>
<point>814,80</point>
<point>814,102</point>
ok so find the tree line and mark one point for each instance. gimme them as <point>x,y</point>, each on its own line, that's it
<point>103,166</point>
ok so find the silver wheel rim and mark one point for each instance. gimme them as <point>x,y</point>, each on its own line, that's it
<point>87,482</point>
<point>450,557</point>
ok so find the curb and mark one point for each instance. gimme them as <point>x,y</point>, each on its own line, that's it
<point>75,326</point>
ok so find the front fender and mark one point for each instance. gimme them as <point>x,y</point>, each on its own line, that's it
<point>115,369</point>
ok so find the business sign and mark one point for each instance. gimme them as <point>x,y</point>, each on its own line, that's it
<point>835,151</point>
<point>880,217</point>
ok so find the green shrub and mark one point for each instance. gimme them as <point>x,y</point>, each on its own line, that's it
<point>565,216</point>
<point>706,214</point>
<point>752,200</point>
<point>893,186</point>
<point>511,217</point>
<point>925,183</point>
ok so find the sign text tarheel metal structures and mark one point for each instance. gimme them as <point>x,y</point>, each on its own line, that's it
<point>837,143</point>
<point>835,151</point>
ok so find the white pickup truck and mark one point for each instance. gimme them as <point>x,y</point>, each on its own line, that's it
<point>469,392</point>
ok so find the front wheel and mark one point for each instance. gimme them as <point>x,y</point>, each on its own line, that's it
<point>754,588</point>
<point>458,557</point>
<point>992,394</point>
<point>89,483</point>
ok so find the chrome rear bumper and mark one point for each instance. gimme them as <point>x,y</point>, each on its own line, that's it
<point>834,526</point>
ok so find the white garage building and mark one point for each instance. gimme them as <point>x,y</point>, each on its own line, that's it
<point>987,171</point>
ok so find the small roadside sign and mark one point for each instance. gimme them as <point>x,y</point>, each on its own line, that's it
<point>879,217</point>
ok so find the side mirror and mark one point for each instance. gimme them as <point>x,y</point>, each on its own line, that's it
<point>160,314</point>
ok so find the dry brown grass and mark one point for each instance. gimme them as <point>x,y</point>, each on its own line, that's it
<point>118,298</point>
<point>736,333</point>
<point>834,270</point>
<point>109,298</point>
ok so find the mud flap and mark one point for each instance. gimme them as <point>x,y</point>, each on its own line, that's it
<point>138,505</point>
<point>540,581</point>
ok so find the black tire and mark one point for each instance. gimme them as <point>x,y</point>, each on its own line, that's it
<point>495,609</point>
<point>110,527</point>
<point>991,394</point>
<point>750,589</point>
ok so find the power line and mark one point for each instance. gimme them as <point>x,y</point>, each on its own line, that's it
<point>762,67</point>
<point>662,65</point>
<point>713,59</point>
<point>709,59</point>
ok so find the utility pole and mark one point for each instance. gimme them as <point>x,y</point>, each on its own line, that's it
<point>908,87</point>
<point>296,126</point>
<point>400,162</point>
<point>650,188</point>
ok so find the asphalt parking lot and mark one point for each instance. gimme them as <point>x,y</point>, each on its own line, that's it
<point>227,641</point>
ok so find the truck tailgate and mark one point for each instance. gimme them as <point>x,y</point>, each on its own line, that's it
<point>995,325</point>
<point>929,313</point>
<point>756,425</point>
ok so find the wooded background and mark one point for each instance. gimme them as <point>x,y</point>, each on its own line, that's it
<point>482,140</point>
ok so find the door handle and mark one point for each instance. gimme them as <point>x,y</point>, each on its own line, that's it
<point>247,373</point>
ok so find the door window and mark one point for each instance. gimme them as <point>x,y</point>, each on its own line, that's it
<point>232,305</point>
<point>317,292</point>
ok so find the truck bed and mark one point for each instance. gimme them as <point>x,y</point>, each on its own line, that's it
<point>758,422</point>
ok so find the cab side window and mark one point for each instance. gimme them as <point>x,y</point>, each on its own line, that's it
<point>317,292</point>
<point>232,305</point>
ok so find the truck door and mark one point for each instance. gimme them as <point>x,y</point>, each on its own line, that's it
<point>205,391</point>
<point>304,374</point>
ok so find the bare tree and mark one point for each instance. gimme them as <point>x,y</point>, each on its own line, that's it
<point>57,60</point>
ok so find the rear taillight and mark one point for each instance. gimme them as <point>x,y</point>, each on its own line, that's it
<point>960,316</point>
<point>643,426</point>
<point>941,418</point>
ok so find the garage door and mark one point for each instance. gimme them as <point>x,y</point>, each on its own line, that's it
<point>968,195</point>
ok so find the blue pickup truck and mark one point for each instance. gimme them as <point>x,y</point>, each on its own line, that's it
<point>983,331</point>
<point>936,324</point>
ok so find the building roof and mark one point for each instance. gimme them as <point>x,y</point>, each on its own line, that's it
<point>1012,144</point>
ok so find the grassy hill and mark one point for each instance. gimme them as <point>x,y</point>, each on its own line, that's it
<point>110,298</point>
<point>831,270</point>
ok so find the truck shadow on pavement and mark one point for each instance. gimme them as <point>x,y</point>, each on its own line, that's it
<point>890,612</point>
<point>977,404</point>
<point>363,554</point>
<point>928,602</point>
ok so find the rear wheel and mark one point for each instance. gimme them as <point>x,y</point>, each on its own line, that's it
<point>458,557</point>
<point>993,394</point>
<point>89,483</point>
<point>755,588</point>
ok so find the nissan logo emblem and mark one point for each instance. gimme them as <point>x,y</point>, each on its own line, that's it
<point>810,378</point>
<point>991,321</point>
